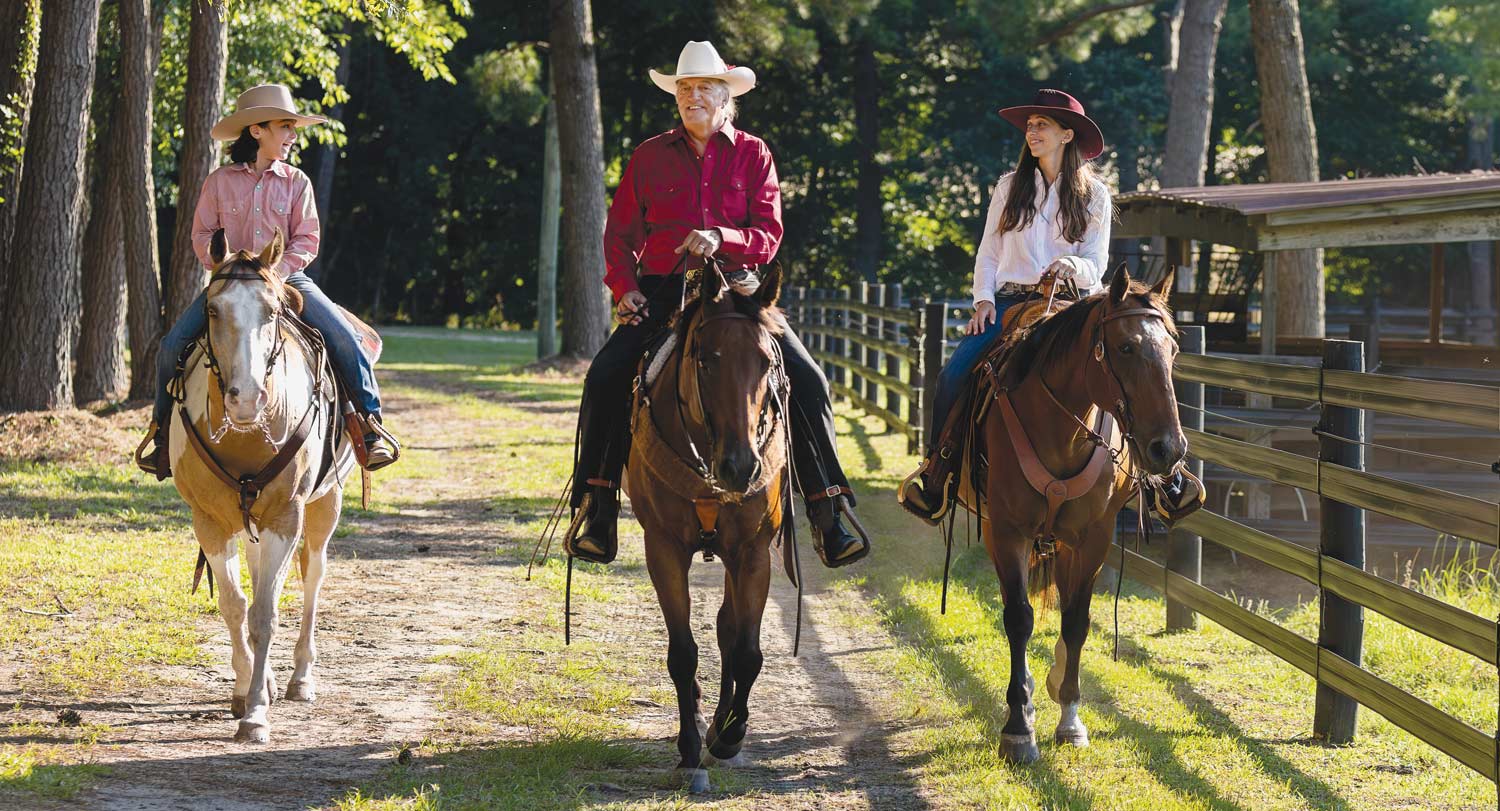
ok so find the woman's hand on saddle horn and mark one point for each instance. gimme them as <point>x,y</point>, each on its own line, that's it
<point>1060,268</point>
<point>984,315</point>
<point>631,309</point>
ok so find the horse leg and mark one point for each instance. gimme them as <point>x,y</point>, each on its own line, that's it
<point>1075,591</point>
<point>725,629</point>
<point>752,576</point>
<point>267,575</point>
<point>669,568</point>
<point>1018,736</point>
<point>224,566</point>
<point>322,519</point>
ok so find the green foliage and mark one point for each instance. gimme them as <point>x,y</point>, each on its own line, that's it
<point>12,112</point>
<point>510,83</point>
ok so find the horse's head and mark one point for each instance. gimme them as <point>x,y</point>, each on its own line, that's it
<point>1135,344</point>
<point>732,347</point>
<point>244,301</point>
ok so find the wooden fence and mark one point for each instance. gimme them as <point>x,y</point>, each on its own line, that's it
<point>873,338</point>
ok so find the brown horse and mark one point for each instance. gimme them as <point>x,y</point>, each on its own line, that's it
<point>1109,354</point>
<point>707,472</point>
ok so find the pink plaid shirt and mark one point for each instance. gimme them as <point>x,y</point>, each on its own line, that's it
<point>250,207</point>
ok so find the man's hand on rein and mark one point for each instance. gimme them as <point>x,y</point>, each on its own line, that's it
<point>701,243</point>
<point>631,309</point>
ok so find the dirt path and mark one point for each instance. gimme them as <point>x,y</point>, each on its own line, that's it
<point>404,590</point>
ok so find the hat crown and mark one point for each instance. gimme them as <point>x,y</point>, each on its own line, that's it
<point>700,59</point>
<point>1056,98</point>
<point>278,96</point>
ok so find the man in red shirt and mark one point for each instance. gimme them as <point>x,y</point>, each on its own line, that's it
<point>702,189</point>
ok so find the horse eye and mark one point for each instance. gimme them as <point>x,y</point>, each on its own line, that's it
<point>212,313</point>
<point>1127,349</point>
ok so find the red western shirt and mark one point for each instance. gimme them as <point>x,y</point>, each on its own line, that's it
<point>668,190</point>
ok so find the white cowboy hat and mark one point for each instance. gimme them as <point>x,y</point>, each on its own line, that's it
<point>699,60</point>
<point>267,102</point>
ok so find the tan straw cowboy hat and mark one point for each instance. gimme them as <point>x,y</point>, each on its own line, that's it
<point>699,60</point>
<point>268,102</point>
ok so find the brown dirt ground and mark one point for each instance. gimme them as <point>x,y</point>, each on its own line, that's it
<point>820,735</point>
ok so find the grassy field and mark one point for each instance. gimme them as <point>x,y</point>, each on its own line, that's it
<point>1197,720</point>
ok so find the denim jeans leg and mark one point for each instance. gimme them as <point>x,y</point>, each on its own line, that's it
<point>961,363</point>
<point>188,326</point>
<point>349,362</point>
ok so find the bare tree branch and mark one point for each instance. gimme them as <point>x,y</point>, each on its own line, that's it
<point>1074,24</point>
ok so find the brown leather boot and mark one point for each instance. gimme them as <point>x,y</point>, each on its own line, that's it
<point>381,447</point>
<point>928,492</point>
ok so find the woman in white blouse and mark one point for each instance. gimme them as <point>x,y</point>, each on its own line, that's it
<point>1052,214</point>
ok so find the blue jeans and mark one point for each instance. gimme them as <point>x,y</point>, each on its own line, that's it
<point>968,352</point>
<point>349,363</point>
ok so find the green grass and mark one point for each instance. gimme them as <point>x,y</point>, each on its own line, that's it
<point>48,761</point>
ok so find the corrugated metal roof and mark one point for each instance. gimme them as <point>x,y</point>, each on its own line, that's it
<point>1268,198</point>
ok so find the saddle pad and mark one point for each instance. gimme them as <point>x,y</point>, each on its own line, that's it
<point>369,340</point>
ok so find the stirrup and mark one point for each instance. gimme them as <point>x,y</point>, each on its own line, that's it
<point>591,553</point>
<point>156,463</point>
<point>373,425</point>
<point>915,503</point>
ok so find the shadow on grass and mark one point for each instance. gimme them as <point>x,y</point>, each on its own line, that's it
<point>84,493</point>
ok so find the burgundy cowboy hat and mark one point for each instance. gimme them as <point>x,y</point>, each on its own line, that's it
<point>1065,110</point>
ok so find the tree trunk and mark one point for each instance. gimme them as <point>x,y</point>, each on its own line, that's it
<point>546,282</point>
<point>328,158</point>
<point>1292,153</point>
<point>18,53</point>
<point>140,44</point>
<point>867,198</point>
<point>208,51</point>
<point>1192,94</point>
<point>1171,24</point>
<point>580,138</point>
<point>99,373</point>
<point>36,348</point>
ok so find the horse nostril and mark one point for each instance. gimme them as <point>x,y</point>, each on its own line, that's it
<point>1158,451</point>
<point>234,391</point>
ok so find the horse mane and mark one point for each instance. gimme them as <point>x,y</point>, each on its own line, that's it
<point>288,295</point>
<point>1052,336</point>
<point>743,304</point>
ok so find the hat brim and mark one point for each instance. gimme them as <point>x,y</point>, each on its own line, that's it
<point>1090,139</point>
<point>740,80</point>
<point>230,126</point>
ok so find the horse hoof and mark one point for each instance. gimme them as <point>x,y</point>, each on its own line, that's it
<point>723,751</point>
<point>1019,748</point>
<point>694,780</point>
<point>251,732</point>
<point>1076,736</point>
<point>301,690</point>
<point>237,706</point>
<point>740,760</point>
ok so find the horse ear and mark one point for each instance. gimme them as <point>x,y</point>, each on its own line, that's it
<point>270,256</point>
<point>770,286</point>
<point>218,247</point>
<point>1120,287</point>
<point>713,285</point>
<point>1163,288</point>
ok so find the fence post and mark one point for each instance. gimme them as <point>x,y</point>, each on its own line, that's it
<point>1185,549</point>
<point>934,328</point>
<point>913,360</point>
<point>892,299</point>
<point>1342,628</point>
<point>840,318</point>
<point>857,347</point>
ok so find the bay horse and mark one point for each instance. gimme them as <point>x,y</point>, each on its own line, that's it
<point>256,452</point>
<point>1060,471</point>
<point>708,473</point>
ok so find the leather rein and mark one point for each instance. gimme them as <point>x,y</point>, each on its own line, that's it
<point>251,485</point>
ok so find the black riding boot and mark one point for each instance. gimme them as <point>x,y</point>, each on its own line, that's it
<point>1177,497</point>
<point>593,535</point>
<point>154,459</point>
<point>835,544</point>
<point>928,492</point>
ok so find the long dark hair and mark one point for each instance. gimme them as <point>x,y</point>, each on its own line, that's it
<point>1075,190</point>
<point>245,148</point>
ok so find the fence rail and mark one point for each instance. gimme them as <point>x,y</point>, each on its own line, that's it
<point>873,340</point>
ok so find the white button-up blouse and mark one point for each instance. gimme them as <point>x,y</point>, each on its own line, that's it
<point>1021,256</point>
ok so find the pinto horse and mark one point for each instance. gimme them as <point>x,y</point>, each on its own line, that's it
<point>1060,472</point>
<point>707,473</point>
<point>256,454</point>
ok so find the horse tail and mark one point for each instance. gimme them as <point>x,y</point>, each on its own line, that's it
<point>1041,579</point>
